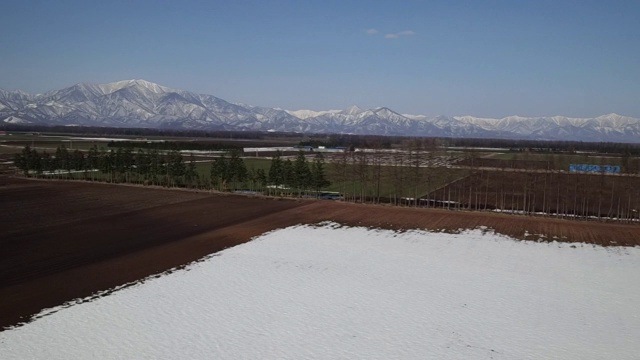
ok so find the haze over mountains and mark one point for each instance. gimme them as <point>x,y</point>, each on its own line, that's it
<point>139,103</point>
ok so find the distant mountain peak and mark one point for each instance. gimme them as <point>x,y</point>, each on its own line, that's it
<point>352,110</point>
<point>611,116</point>
<point>385,110</point>
<point>304,114</point>
<point>139,83</point>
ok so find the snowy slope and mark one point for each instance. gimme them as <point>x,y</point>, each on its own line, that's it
<point>304,114</point>
<point>611,127</point>
<point>140,103</point>
<point>133,103</point>
<point>347,293</point>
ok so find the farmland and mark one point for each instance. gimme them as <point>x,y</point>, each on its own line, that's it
<point>63,240</point>
<point>410,172</point>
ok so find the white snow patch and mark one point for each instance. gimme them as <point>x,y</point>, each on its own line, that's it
<point>15,120</point>
<point>335,292</point>
<point>305,114</point>
<point>415,117</point>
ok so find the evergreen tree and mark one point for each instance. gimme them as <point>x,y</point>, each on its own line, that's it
<point>288,173</point>
<point>237,169</point>
<point>63,160</point>
<point>35,163</point>
<point>106,163</point>
<point>301,173</point>
<point>46,161</point>
<point>318,179</point>
<point>176,167</point>
<point>220,172</point>
<point>276,171</point>
<point>77,160</point>
<point>143,164</point>
<point>21,161</point>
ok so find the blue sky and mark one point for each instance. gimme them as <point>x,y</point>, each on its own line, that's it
<point>482,58</point>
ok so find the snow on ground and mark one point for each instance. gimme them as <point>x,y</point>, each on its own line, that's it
<point>343,293</point>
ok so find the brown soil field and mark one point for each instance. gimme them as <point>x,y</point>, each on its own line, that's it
<point>67,240</point>
<point>510,164</point>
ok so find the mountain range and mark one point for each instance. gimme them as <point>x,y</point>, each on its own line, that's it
<point>139,103</point>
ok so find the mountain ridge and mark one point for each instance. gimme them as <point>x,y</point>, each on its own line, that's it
<point>141,103</point>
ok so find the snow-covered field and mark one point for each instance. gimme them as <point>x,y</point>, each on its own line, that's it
<point>333,292</point>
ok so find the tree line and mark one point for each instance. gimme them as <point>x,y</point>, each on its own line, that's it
<point>417,176</point>
<point>298,174</point>
<point>153,167</point>
<point>121,165</point>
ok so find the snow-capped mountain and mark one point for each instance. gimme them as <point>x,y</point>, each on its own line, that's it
<point>139,103</point>
<point>611,127</point>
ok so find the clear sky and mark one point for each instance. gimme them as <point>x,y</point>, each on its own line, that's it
<point>482,58</point>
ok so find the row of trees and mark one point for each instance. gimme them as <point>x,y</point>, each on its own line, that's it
<point>418,176</point>
<point>298,174</point>
<point>122,165</point>
<point>546,193</point>
<point>284,176</point>
<point>227,172</point>
<point>383,176</point>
